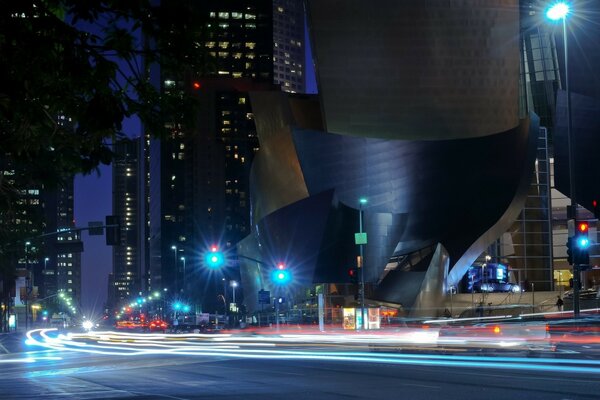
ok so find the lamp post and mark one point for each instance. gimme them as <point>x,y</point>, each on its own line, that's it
<point>184,281</point>
<point>362,266</point>
<point>176,265</point>
<point>559,11</point>
<point>28,285</point>
<point>234,284</point>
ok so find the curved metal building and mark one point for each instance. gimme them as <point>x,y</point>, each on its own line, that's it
<point>418,112</point>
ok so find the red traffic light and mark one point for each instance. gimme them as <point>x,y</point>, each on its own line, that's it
<point>352,272</point>
<point>583,227</point>
<point>281,266</point>
<point>594,203</point>
<point>196,85</point>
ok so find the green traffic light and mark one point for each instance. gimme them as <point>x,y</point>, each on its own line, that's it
<point>214,258</point>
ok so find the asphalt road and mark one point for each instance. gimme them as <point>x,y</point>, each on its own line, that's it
<point>67,375</point>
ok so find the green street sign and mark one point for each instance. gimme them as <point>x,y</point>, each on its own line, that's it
<point>360,238</point>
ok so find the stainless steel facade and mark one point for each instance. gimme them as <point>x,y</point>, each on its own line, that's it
<point>393,122</point>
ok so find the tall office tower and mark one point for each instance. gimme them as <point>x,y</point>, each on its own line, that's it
<point>21,218</point>
<point>288,45</point>
<point>127,269</point>
<point>61,256</point>
<point>44,264</point>
<point>199,179</point>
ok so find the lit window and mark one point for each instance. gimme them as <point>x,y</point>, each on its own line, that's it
<point>223,15</point>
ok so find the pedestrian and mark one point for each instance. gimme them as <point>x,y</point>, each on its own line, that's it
<point>559,303</point>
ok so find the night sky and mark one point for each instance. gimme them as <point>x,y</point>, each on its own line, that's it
<point>93,202</point>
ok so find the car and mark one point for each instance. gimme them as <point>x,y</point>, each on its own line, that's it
<point>157,325</point>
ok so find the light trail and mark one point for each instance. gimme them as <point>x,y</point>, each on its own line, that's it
<point>270,347</point>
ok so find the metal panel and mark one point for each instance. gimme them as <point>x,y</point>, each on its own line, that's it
<point>424,69</point>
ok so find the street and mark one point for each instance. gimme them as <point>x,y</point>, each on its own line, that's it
<point>254,367</point>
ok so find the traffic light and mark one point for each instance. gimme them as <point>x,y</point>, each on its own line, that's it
<point>353,274</point>
<point>281,275</point>
<point>596,209</point>
<point>581,255</point>
<point>570,250</point>
<point>214,258</point>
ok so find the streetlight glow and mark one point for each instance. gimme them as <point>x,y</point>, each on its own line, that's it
<point>558,11</point>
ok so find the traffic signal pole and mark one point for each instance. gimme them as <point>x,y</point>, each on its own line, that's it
<point>362,271</point>
<point>576,272</point>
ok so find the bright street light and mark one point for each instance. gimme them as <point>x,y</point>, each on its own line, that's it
<point>558,11</point>
<point>362,201</point>
<point>233,284</point>
<point>182,258</point>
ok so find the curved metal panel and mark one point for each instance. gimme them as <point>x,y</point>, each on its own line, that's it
<point>275,179</point>
<point>409,69</point>
<point>461,193</point>
<point>450,191</point>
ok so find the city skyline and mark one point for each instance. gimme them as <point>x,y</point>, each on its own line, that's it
<point>96,260</point>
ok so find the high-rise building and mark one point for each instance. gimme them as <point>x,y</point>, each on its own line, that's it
<point>288,45</point>
<point>199,180</point>
<point>127,273</point>
<point>61,256</point>
<point>47,258</point>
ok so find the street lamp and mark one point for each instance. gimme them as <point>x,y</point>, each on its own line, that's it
<point>233,284</point>
<point>183,285</point>
<point>28,284</point>
<point>559,11</point>
<point>362,201</point>
<point>46,262</point>
<point>224,286</point>
<point>174,248</point>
